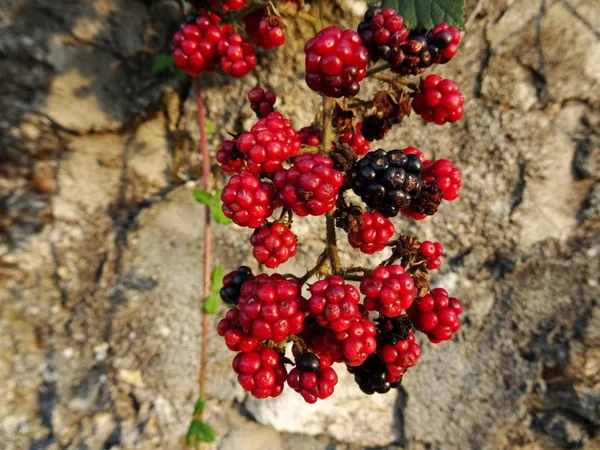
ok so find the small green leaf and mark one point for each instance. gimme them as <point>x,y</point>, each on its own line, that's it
<point>180,74</point>
<point>426,14</point>
<point>162,63</point>
<point>199,406</point>
<point>216,279</point>
<point>204,197</point>
<point>210,127</point>
<point>199,431</point>
<point>219,216</point>
<point>211,304</point>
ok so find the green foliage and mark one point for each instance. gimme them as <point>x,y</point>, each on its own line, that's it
<point>426,14</point>
<point>214,202</point>
<point>210,127</point>
<point>199,431</point>
<point>211,304</point>
<point>199,406</point>
<point>162,62</point>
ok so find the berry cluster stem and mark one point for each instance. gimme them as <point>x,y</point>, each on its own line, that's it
<point>380,68</point>
<point>207,231</point>
<point>327,130</point>
<point>332,249</point>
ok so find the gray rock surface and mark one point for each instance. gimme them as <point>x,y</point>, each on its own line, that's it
<point>101,243</point>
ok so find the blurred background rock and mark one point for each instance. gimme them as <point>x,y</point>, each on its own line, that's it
<point>101,239</point>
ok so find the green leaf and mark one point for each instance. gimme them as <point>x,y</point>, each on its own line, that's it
<point>162,63</point>
<point>181,75</point>
<point>199,431</point>
<point>204,197</point>
<point>219,216</point>
<point>211,304</point>
<point>210,127</point>
<point>199,406</point>
<point>216,279</point>
<point>419,14</point>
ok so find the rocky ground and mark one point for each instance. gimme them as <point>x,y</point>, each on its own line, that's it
<point>101,270</point>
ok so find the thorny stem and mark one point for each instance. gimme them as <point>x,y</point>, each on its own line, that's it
<point>332,249</point>
<point>207,232</point>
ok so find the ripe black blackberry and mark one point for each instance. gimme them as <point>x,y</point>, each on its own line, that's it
<point>387,181</point>
<point>382,31</point>
<point>232,284</point>
<point>371,376</point>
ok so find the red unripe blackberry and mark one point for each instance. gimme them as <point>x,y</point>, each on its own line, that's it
<point>269,143</point>
<point>270,307</point>
<point>247,200</point>
<point>333,303</point>
<point>354,344</point>
<point>447,176</point>
<point>388,289</point>
<point>372,236</point>
<point>310,136</point>
<point>387,181</point>
<point>195,45</point>
<point>446,39</point>
<point>262,102</point>
<point>236,338</point>
<point>312,379</point>
<point>260,372</point>
<point>372,377</point>
<point>237,55</point>
<point>382,32</point>
<point>436,315</point>
<point>336,61</point>
<point>438,101</point>
<point>270,32</point>
<point>232,284</point>
<point>400,356</point>
<point>273,244</point>
<point>223,6</point>
<point>432,251</point>
<point>355,140</point>
<point>310,186</point>
<point>229,157</point>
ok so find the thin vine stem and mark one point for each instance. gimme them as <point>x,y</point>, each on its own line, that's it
<point>380,68</point>
<point>332,249</point>
<point>201,119</point>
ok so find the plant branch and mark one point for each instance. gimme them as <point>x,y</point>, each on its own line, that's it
<point>287,11</point>
<point>318,267</point>
<point>327,130</point>
<point>380,68</point>
<point>207,231</point>
<point>332,249</point>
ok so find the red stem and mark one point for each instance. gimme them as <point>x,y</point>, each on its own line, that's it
<point>207,231</point>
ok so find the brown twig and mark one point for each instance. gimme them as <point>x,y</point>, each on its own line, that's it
<point>332,249</point>
<point>207,232</point>
<point>380,68</point>
<point>318,267</point>
<point>327,130</point>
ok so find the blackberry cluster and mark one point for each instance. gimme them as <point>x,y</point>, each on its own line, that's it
<point>382,32</point>
<point>232,284</point>
<point>372,377</point>
<point>387,181</point>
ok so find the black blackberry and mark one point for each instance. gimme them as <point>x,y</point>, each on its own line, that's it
<point>387,181</point>
<point>308,362</point>
<point>371,376</point>
<point>391,330</point>
<point>429,199</point>
<point>232,284</point>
